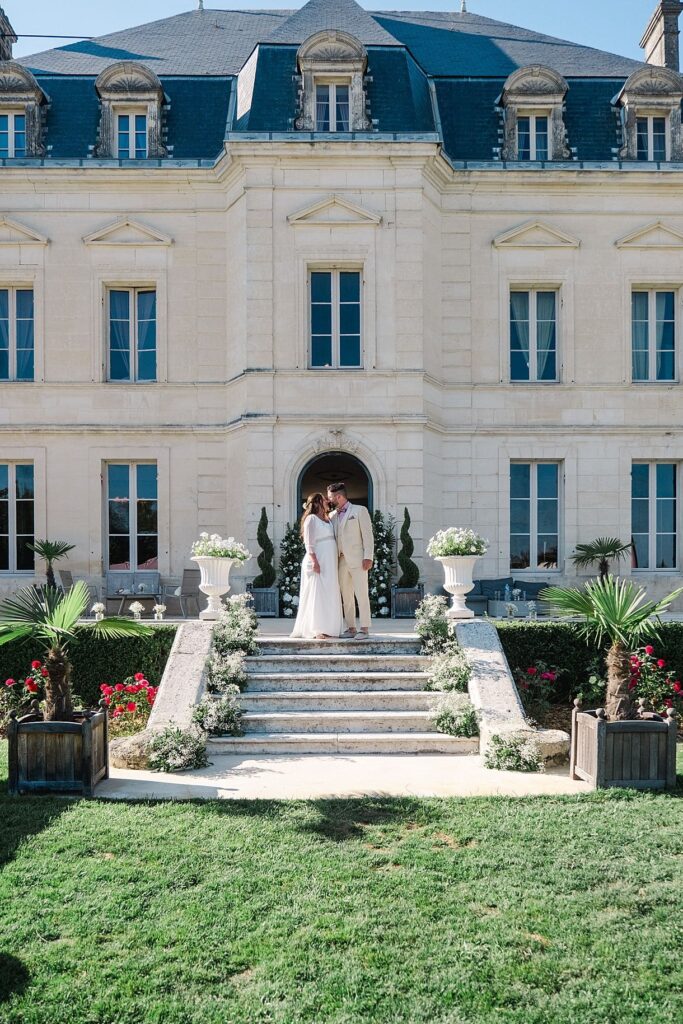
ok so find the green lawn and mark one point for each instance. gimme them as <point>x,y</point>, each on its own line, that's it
<point>482,910</point>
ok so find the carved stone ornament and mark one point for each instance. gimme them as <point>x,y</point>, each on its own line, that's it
<point>337,56</point>
<point>525,91</point>
<point>335,440</point>
<point>135,87</point>
<point>19,90</point>
<point>651,91</point>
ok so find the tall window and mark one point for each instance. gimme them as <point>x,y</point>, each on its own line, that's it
<point>331,107</point>
<point>534,515</point>
<point>12,135</point>
<point>335,318</point>
<point>132,516</point>
<point>533,335</point>
<point>654,514</point>
<point>653,335</point>
<point>16,517</point>
<point>532,137</point>
<point>132,136</point>
<point>651,138</point>
<point>132,334</point>
<point>16,334</point>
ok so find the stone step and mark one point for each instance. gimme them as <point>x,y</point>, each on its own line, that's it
<point>338,700</point>
<point>409,644</point>
<point>341,743</point>
<point>269,682</point>
<point>338,721</point>
<point>323,663</point>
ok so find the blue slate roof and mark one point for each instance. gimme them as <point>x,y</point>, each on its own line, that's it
<point>201,56</point>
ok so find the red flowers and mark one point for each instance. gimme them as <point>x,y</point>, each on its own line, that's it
<point>653,682</point>
<point>650,650</point>
<point>661,663</point>
<point>36,664</point>
<point>550,677</point>
<point>119,687</point>
<point>677,687</point>
<point>31,686</point>
<point>139,698</point>
<point>131,706</point>
<point>10,682</point>
<point>138,677</point>
<point>532,671</point>
<point>44,673</point>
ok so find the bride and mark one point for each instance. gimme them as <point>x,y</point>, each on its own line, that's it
<point>320,609</point>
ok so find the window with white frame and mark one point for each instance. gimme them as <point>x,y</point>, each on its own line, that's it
<point>654,515</point>
<point>132,332</point>
<point>533,335</point>
<point>335,318</point>
<point>332,106</point>
<point>13,134</point>
<point>17,518</point>
<point>16,334</point>
<point>532,136</point>
<point>653,335</point>
<point>534,515</point>
<point>132,516</point>
<point>131,136</point>
<point>652,140</point>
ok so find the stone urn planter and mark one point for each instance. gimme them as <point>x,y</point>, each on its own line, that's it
<point>57,757</point>
<point>215,581</point>
<point>458,571</point>
<point>639,754</point>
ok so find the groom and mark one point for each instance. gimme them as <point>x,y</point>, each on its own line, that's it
<point>355,543</point>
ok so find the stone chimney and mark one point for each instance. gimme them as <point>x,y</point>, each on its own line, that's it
<point>7,37</point>
<point>660,40</point>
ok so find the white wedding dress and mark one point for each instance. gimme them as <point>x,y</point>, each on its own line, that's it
<point>320,607</point>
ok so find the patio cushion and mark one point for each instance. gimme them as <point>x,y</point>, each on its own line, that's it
<point>489,587</point>
<point>532,590</point>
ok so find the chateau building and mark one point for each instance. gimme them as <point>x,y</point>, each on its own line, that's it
<point>246,253</point>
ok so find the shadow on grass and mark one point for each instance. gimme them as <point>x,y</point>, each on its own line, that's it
<point>14,977</point>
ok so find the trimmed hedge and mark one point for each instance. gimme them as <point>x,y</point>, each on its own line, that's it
<point>98,661</point>
<point>559,643</point>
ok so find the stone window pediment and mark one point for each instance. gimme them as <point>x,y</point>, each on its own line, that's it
<point>23,106</point>
<point>532,104</point>
<point>332,93</point>
<point>649,107</point>
<point>131,92</point>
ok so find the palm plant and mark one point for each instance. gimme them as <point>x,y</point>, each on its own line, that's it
<point>603,551</point>
<point>51,551</point>
<point>614,611</point>
<point>51,621</point>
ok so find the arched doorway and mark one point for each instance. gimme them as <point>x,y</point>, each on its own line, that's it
<point>332,468</point>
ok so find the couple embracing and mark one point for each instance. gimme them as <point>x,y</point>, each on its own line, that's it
<point>334,573</point>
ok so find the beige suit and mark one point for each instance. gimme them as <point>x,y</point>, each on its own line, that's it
<point>355,543</point>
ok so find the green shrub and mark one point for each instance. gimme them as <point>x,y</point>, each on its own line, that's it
<point>174,750</point>
<point>219,714</point>
<point>225,671</point>
<point>450,670</point>
<point>410,574</point>
<point>266,577</point>
<point>96,660</point>
<point>236,627</point>
<point>514,752</point>
<point>455,715</point>
<point>431,623</point>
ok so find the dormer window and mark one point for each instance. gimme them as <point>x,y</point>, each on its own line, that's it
<point>332,96</point>
<point>22,103</point>
<point>131,134</point>
<point>532,137</point>
<point>649,108</point>
<point>131,99</point>
<point>332,107</point>
<point>532,104</point>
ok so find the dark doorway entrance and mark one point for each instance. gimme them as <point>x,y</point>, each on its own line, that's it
<point>332,468</point>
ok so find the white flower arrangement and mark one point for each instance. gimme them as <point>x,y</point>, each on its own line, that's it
<point>98,608</point>
<point>137,609</point>
<point>457,540</point>
<point>511,610</point>
<point>215,546</point>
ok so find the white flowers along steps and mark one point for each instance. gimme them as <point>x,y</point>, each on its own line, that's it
<point>215,557</point>
<point>457,549</point>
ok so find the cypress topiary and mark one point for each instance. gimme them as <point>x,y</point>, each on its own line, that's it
<point>410,574</point>
<point>265,559</point>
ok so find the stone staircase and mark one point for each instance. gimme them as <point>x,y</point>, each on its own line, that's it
<point>338,697</point>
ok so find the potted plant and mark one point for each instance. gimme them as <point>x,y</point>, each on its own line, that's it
<point>408,592</point>
<point>458,549</point>
<point>603,551</point>
<point>51,551</point>
<point>215,558</point>
<point>618,745</point>
<point>57,749</point>
<point>263,591</point>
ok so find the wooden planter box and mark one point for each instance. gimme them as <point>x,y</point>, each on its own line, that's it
<point>58,757</point>
<point>636,755</point>
<point>404,601</point>
<point>266,601</point>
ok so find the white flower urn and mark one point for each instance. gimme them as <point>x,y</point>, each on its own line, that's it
<point>215,581</point>
<point>458,572</point>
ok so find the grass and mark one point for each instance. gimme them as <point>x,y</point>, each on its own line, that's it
<point>485,911</point>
